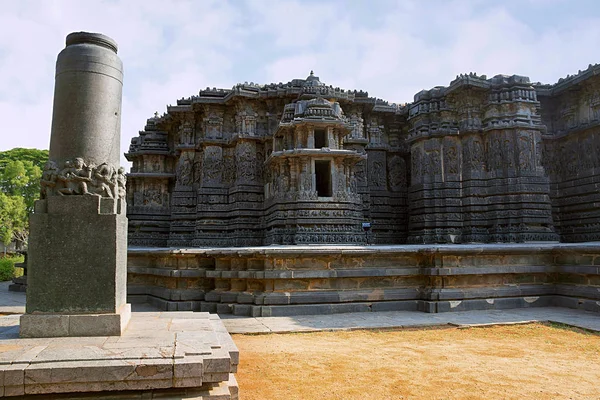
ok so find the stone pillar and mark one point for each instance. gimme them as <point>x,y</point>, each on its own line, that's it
<point>86,119</point>
<point>331,142</point>
<point>310,141</point>
<point>78,232</point>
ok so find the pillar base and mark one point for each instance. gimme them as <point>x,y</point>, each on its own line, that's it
<point>60,325</point>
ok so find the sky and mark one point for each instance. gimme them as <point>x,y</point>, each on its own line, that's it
<point>392,49</point>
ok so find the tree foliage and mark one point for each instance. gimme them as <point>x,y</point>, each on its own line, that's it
<point>37,157</point>
<point>13,219</point>
<point>20,173</point>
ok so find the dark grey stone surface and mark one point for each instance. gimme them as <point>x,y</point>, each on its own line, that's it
<point>330,279</point>
<point>77,258</point>
<point>78,233</point>
<point>235,167</point>
<point>86,119</point>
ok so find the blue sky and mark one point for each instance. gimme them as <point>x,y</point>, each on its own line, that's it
<point>392,49</point>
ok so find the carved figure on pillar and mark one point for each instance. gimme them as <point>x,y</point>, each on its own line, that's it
<point>246,162</point>
<point>75,177</point>
<point>184,171</point>
<point>187,133</point>
<point>357,124</point>
<point>396,173</point>
<point>212,165</point>
<point>525,152</point>
<point>197,171</point>
<point>417,164</point>
<point>121,182</point>
<point>213,123</point>
<point>450,159</point>
<point>105,181</point>
<point>496,158</point>
<point>49,179</point>
<point>375,132</point>
<point>377,175</point>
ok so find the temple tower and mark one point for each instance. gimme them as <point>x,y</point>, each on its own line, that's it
<point>311,188</point>
<point>476,167</point>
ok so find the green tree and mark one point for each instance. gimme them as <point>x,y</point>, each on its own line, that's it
<point>37,157</point>
<point>13,219</point>
<point>22,179</point>
<point>20,173</point>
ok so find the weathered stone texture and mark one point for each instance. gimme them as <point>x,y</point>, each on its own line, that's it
<point>78,233</point>
<point>571,153</point>
<point>87,100</point>
<point>292,280</point>
<point>275,164</point>
<point>88,249</point>
<point>477,172</point>
<point>482,160</point>
<point>160,356</point>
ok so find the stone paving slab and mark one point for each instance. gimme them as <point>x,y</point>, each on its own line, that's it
<point>226,390</point>
<point>410,319</point>
<point>11,302</point>
<point>159,350</point>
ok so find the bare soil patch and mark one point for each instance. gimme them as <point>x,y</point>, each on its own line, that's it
<point>535,361</point>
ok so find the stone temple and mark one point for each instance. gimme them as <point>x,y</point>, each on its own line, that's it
<point>485,160</point>
<point>480,195</point>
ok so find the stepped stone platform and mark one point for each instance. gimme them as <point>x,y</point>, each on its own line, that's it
<point>302,280</point>
<point>387,320</point>
<point>172,355</point>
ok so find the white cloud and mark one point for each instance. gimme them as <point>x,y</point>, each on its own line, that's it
<point>392,49</point>
<point>169,51</point>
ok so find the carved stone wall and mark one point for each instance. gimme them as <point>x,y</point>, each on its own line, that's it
<point>477,173</point>
<point>293,280</point>
<point>570,152</point>
<point>482,160</point>
<point>237,168</point>
<point>310,194</point>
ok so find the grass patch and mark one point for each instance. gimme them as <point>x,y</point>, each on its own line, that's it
<point>566,327</point>
<point>7,267</point>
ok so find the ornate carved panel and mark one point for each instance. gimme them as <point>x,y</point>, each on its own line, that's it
<point>396,173</point>
<point>377,170</point>
<point>212,166</point>
<point>185,169</point>
<point>246,162</point>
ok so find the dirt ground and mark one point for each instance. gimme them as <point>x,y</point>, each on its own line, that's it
<point>532,361</point>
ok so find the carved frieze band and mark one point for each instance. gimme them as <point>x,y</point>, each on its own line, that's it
<point>78,177</point>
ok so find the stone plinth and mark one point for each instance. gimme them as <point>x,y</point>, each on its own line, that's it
<point>160,355</point>
<point>77,268</point>
<point>295,280</point>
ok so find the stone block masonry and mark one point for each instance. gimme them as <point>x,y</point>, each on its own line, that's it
<point>87,246</point>
<point>160,355</point>
<point>295,280</point>
<point>482,160</point>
